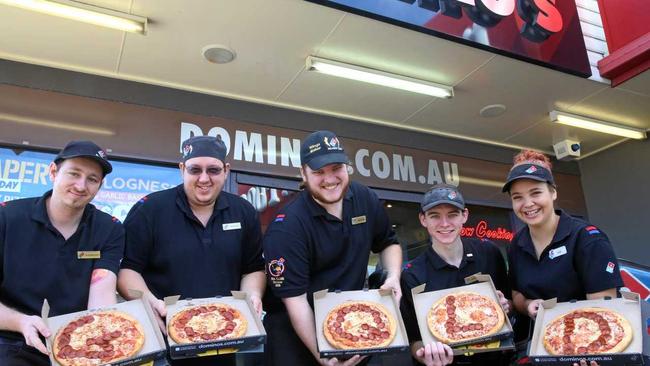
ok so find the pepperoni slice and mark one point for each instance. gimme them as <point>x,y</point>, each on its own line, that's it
<point>354,308</point>
<point>339,331</point>
<point>479,326</point>
<point>345,310</point>
<point>355,339</point>
<point>116,334</point>
<point>450,299</point>
<point>566,339</point>
<point>385,335</point>
<point>365,326</point>
<point>222,333</point>
<point>228,315</point>
<point>205,336</point>
<point>457,328</point>
<point>340,319</point>
<point>581,350</point>
<point>212,308</point>
<point>381,325</point>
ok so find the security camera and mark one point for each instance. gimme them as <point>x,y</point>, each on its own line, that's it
<point>567,149</point>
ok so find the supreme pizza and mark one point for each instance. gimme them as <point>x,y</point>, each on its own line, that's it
<point>98,338</point>
<point>464,316</point>
<point>359,325</point>
<point>207,322</point>
<point>587,331</point>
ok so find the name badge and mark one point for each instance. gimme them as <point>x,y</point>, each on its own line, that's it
<point>232,226</point>
<point>89,254</point>
<point>554,253</point>
<point>359,220</point>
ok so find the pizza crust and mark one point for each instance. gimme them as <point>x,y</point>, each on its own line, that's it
<point>336,342</point>
<point>433,315</point>
<point>102,322</point>
<point>620,320</point>
<point>216,324</point>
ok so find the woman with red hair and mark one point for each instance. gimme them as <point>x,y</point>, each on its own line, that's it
<point>555,254</point>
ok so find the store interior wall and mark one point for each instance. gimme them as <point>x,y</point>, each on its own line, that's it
<point>617,192</point>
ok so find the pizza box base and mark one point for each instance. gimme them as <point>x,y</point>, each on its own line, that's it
<point>325,301</point>
<point>254,337</point>
<point>154,344</point>
<point>628,306</point>
<point>507,344</point>
<point>478,283</point>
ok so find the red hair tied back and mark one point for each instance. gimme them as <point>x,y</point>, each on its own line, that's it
<point>532,157</point>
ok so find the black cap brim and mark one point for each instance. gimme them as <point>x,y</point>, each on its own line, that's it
<point>327,159</point>
<point>506,187</point>
<point>442,202</point>
<point>107,168</point>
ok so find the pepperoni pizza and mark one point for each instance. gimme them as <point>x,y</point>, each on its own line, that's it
<point>464,316</point>
<point>359,325</point>
<point>208,322</point>
<point>98,338</point>
<point>587,331</point>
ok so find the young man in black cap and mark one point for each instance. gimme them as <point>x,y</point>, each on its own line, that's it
<point>56,247</point>
<point>194,240</point>
<point>445,264</point>
<point>321,240</point>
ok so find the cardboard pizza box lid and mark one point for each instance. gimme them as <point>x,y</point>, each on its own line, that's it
<point>240,300</point>
<point>154,346</point>
<point>324,301</point>
<point>479,283</point>
<point>628,306</point>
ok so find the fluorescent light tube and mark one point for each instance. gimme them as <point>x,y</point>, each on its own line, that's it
<point>377,77</point>
<point>84,13</point>
<point>597,125</point>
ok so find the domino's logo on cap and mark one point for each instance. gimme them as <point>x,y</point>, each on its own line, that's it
<point>322,148</point>
<point>531,170</point>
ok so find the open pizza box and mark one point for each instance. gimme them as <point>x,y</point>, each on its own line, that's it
<point>255,335</point>
<point>629,306</point>
<point>479,283</point>
<point>154,348</point>
<point>325,301</point>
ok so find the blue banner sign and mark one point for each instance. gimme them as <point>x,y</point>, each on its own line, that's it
<point>26,175</point>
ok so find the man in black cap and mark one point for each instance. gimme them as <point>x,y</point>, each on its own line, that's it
<point>445,264</point>
<point>321,240</point>
<point>56,247</point>
<point>194,240</point>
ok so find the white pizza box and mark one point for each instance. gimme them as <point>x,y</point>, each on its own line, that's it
<point>324,301</point>
<point>479,283</point>
<point>628,306</point>
<point>154,345</point>
<point>255,333</point>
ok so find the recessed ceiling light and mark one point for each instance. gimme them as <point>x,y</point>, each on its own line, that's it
<point>218,54</point>
<point>492,110</point>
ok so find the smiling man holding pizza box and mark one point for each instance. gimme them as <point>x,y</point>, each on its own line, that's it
<point>57,247</point>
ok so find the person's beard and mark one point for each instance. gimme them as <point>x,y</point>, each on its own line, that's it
<point>320,198</point>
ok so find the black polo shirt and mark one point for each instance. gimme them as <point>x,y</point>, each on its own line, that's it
<point>579,260</point>
<point>177,255</point>
<point>478,256</point>
<point>307,249</point>
<point>37,263</point>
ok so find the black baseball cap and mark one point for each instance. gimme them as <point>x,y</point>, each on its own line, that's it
<point>442,194</point>
<point>528,171</point>
<point>322,148</point>
<point>85,149</point>
<point>199,146</point>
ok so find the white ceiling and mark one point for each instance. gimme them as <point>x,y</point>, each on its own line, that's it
<point>272,40</point>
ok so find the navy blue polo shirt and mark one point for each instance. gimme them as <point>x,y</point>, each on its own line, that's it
<point>580,260</point>
<point>177,255</point>
<point>307,249</point>
<point>428,268</point>
<point>37,263</point>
